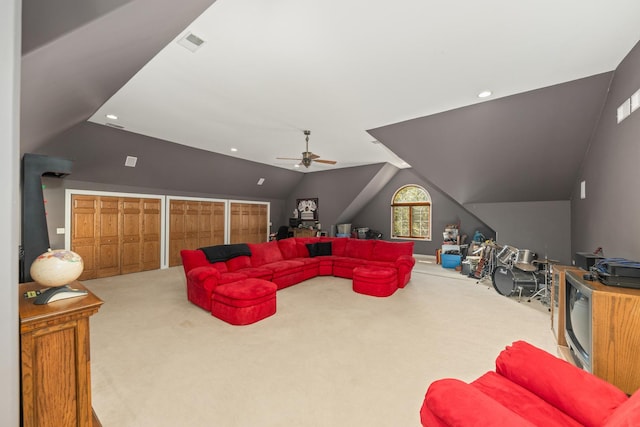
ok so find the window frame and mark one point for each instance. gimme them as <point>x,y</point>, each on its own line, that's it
<point>427,203</point>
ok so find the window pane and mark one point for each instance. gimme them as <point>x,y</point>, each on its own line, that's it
<point>401,221</point>
<point>420,221</point>
<point>410,194</point>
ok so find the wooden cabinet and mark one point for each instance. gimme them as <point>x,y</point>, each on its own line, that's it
<point>615,333</point>
<point>55,360</point>
<point>115,235</point>
<point>303,232</point>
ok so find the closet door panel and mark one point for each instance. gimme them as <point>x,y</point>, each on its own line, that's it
<point>176,231</point>
<point>108,237</point>
<point>151,234</point>
<point>83,233</point>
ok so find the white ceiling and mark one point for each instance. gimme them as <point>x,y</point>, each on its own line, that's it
<point>270,69</point>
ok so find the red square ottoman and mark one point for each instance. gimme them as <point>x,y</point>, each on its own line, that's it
<point>244,302</point>
<point>375,281</point>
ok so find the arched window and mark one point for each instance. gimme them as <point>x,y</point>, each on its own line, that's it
<point>411,213</point>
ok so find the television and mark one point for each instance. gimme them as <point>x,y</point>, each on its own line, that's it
<point>578,321</point>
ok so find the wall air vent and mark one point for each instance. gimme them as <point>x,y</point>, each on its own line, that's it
<point>191,42</point>
<point>131,161</point>
<point>113,125</point>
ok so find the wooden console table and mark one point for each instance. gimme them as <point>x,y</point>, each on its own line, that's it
<point>55,360</point>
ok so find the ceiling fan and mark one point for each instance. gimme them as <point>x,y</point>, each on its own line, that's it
<point>307,156</point>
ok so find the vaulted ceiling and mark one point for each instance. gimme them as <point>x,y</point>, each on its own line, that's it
<point>403,73</point>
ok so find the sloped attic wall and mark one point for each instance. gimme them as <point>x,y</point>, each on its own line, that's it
<point>609,216</point>
<point>335,190</point>
<point>377,213</point>
<point>99,153</point>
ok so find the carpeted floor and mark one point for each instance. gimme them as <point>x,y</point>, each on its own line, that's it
<point>328,357</point>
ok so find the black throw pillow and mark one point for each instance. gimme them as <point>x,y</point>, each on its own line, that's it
<point>323,248</point>
<point>311,247</point>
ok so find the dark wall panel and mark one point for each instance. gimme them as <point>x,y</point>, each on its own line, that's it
<point>99,152</point>
<point>609,215</point>
<point>542,227</point>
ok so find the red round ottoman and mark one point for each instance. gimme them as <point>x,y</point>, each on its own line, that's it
<point>375,281</point>
<point>244,302</point>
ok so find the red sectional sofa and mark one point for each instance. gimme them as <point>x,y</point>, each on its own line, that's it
<point>289,261</point>
<point>529,387</point>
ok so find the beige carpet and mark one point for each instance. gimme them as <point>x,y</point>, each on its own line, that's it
<point>328,357</point>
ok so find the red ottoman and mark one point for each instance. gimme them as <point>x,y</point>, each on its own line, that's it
<point>244,302</point>
<point>375,281</point>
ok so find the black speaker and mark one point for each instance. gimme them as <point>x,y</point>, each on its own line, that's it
<point>35,236</point>
<point>586,260</point>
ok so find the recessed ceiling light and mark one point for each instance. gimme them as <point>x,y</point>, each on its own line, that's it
<point>484,94</point>
<point>296,166</point>
<point>234,149</point>
<point>261,181</point>
<point>112,117</point>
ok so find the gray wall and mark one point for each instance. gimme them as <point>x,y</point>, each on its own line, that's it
<point>335,190</point>
<point>541,227</point>
<point>377,213</point>
<point>99,152</point>
<point>9,211</point>
<point>609,217</point>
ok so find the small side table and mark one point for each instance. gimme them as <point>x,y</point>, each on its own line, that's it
<point>55,360</point>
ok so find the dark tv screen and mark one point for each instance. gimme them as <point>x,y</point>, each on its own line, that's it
<point>578,321</point>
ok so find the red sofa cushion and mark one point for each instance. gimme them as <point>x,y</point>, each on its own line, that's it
<point>231,277</point>
<point>585,397</point>
<point>390,251</point>
<point>238,262</point>
<point>338,244</point>
<point>627,414</point>
<point>456,403</point>
<point>288,248</point>
<point>220,266</point>
<point>361,249</point>
<point>265,253</point>
<point>192,259</point>
<point>522,401</point>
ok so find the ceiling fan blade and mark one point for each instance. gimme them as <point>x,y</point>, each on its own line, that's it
<point>328,162</point>
<point>313,156</point>
<point>288,158</point>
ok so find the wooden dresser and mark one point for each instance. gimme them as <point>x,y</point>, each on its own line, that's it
<point>55,360</point>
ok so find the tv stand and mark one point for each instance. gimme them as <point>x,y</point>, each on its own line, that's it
<point>615,332</point>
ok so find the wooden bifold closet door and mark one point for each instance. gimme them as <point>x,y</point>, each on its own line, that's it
<point>194,224</point>
<point>249,223</point>
<point>115,235</point>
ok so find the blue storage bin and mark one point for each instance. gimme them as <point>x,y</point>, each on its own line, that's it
<point>451,261</point>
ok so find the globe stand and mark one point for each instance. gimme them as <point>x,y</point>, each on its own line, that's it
<point>58,293</point>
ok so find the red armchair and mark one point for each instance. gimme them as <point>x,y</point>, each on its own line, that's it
<point>529,387</point>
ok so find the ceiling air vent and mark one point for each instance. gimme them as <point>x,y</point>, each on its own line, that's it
<point>191,42</point>
<point>113,125</point>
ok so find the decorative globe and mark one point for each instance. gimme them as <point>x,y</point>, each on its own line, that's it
<point>57,267</point>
